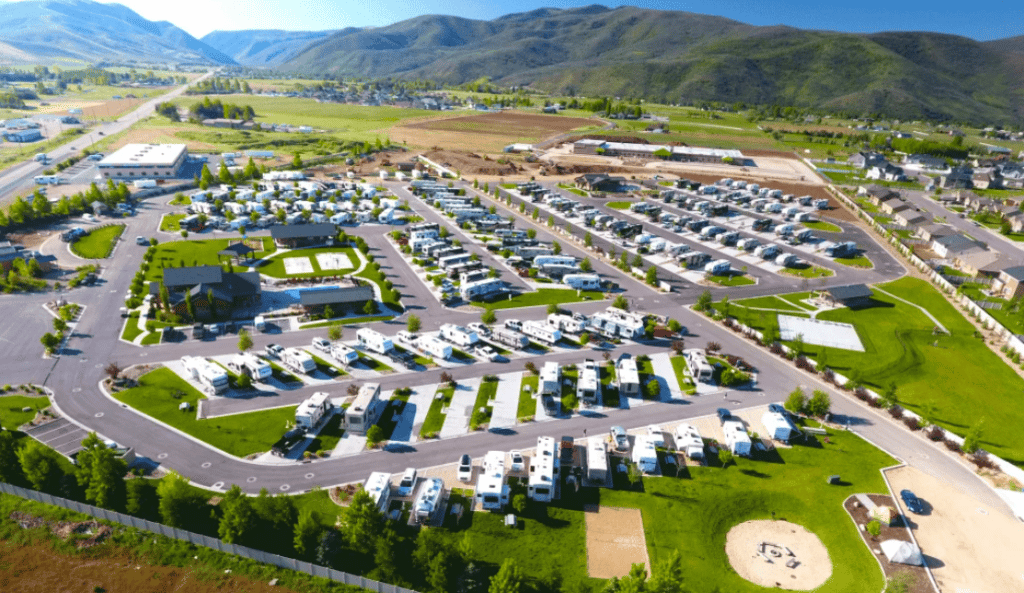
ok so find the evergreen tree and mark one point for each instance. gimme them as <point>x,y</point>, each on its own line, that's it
<point>307,533</point>
<point>100,472</point>
<point>10,468</point>
<point>237,519</point>
<point>363,521</point>
<point>39,465</point>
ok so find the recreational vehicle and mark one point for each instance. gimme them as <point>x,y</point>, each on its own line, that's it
<point>428,499</point>
<point>212,377</point>
<point>378,486</point>
<point>374,341</point>
<point>582,281</point>
<point>718,267</point>
<point>779,425</point>
<point>787,260</point>
<point>597,460</point>
<point>344,354</point>
<point>566,323</point>
<point>766,251</point>
<point>747,244</point>
<point>434,347</point>
<point>544,468</point>
<point>688,441</point>
<point>251,365</point>
<point>310,412</point>
<point>627,377</point>
<point>481,289</point>
<point>588,383</point>
<point>459,335</point>
<point>492,492</point>
<point>618,323</point>
<point>363,412</point>
<point>542,332</point>
<point>298,360</point>
<point>645,454</point>
<point>408,482</point>
<point>550,379</point>
<point>510,338</point>
<point>736,438</point>
<point>698,365</point>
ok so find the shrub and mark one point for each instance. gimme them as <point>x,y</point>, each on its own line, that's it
<point>952,445</point>
<point>896,412</point>
<point>981,460</point>
<point>874,528</point>
<point>934,433</point>
<point>911,422</point>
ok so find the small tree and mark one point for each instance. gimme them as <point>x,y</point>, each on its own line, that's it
<point>244,381</point>
<point>652,276</point>
<point>245,342</point>
<point>489,316</point>
<point>634,474</point>
<point>972,440</point>
<point>113,370</point>
<point>374,436</point>
<point>796,401</point>
<point>704,301</point>
<point>586,266</point>
<point>370,308</point>
<point>678,346</point>
<point>508,579</point>
<point>328,312</point>
<point>796,346</point>
<point>59,325</point>
<point>519,503</point>
<point>335,331</point>
<point>725,457</point>
<point>621,302</point>
<point>413,324</point>
<point>588,241</point>
<point>553,308</point>
<point>820,404</point>
<point>874,528</point>
<point>531,367</point>
<point>674,326</point>
<point>888,398</point>
<point>307,532</point>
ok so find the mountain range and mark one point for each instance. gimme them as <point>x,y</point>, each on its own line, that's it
<point>667,56</point>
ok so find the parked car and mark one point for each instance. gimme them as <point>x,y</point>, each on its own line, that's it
<point>486,352</point>
<point>408,483</point>
<point>518,462</point>
<point>479,328</point>
<point>322,345</point>
<point>465,472</point>
<point>142,241</point>
<point>914,504</point>
<point>274,350</point>
<point>723,414</point>
<point>619,438</point>
<point>197,331</point>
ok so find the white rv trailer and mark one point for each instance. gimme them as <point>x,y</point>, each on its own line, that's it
<point>541,331</point>
<point>492,492</point>
<point>213,378</point>
<point>597,460</point>
<point>378,486</point>
<point>427,499</point>
<point>298,360</point>
<point>433,347</point>
<point>550,379</point>
<point>459,335</point>
<point>544,466</point>
<point>251,365</point>
<point>374,341</point>
<point>698,365</point>
<point>628,377</point>
<point>566,323</point>
<point>689,442</point>
<point>645,454</point>
<point>344,354</point>
<point>588,383</point>
<point>310,412</point>
<point>582,281</point>
<point>736,437</point>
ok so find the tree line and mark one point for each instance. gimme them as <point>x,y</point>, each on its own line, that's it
<point>219,86</point>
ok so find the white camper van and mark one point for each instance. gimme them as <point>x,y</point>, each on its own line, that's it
<point>374,341</point>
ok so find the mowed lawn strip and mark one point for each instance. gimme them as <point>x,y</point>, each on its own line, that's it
<point>527,405</point>
<point>98,243</point>
<point>435,418</point>
<point>693,516</point>
<point>239,435</point>
<point>197,253</point>
<point>543,296</point>
<point>11,416</point>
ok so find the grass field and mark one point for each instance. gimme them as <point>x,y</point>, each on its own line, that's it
<point>527,405</point>
<point>329,435</point>
<point>483,407</point>
<point>732,280</point>
<point>98,244</point>
<point>11,416</point>
<point>808,272</point>
<point>707,504</point>
<point>683,379</point>
<point>619,205</point>
<point>435,418</point>
<point>543,296</point>
<point>861,261</point>
<point>767,302</point>
<point>195,253</point>
<point>820,225</point>
<point>275,265</point>
<point>131,328</point>
<point>160,392</point>
<point>171,222</point>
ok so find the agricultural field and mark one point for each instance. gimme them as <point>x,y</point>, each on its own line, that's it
<point>488,132</point>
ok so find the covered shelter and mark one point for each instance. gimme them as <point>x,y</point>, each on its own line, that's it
<point>303,235</point>
<point>338,298</point>
<point>847,296</point>
<point>237,251</point>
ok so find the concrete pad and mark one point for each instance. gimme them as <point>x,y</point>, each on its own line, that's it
<point>349,444</point>
<point>419,402</point>
<point>456,421</point>
<point>298,265</point>
<point>334,261</point>
<point>821,333</point>
<point>666,376</point>
<point>506,400</point>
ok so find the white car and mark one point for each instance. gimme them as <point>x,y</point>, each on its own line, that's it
<point>518,462</point>
<point>479,328</point>
<point>408,483</point>
<point>274,351</point>
<point>657,435</point>
<point>322,345</point>
<point>486,352</point>
<point>465,472</point>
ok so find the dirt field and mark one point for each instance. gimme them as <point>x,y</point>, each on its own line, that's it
<point>743,543</point>
<point>488,132</point>
<point>970,546</point>
<point>615,542</point>
<point>38,569</point>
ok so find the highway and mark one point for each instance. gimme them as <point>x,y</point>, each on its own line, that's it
<point>75,375</point>
<point>19,178</point>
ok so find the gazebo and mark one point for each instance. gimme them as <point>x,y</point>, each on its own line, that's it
<point>237,251</point>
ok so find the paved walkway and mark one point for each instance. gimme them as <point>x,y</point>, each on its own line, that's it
<point>349,444</point>
<point>506,400</point>
<point>666,376</point>
<point>419,401</point>
<point>456,422</point>
<point>922,309</point>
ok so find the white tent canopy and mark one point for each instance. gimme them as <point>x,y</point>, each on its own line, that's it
<point>902,552</point>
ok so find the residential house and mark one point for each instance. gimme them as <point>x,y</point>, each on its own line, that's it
<point>925,161</point>
<point>1009,283</point>
<point>876,194</point>
<point>598,182</point>
<point>957,178</point>
<point>1016,223</point>
<point>886,172</point>
<point>986,178</point>
<point>978,263</point>
<point>303,235</point>
<point>930,232</point>
<point>893,205</point>
<point>229,289</point>
<point>952,246</point>
<point>976,203</point>
<point>29,135</point>
<point>910,218</point>
<point>866,160</point>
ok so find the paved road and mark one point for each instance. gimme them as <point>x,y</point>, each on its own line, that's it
<point>1010,250</point>
<point>75,376</point>
<point>20,177</point>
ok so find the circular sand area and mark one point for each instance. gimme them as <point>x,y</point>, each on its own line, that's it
<point>782,543</point>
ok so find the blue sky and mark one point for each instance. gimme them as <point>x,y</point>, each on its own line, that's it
<point>982,20</point>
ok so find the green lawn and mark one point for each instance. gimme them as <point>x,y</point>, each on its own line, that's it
<point>391,298</point>
<point>347,321</point>
<point>797,298</point>
<point>543,296</point>
<point>527,405</point>
<point>435,419</point>
<point>243,434</point>
<point>483,407</point>
<point>171,222</point>
<point>692,515</point>
<point>732,280</point>
<point>195,253</point>
<point>329,435</point>
<point>821,225</point>
<point>686,384</point>
<point>274,266</point>
<point>98,244</point>
<point>958,373</point>
<point>11,416</point>
<point>808,272</point>
<point>373,364</point>
<point>152,338</point>
<point>861,261</point>
<point>573,190</point>
<point>766,302</point>
<point>619,205</point>
<point>131,328</point>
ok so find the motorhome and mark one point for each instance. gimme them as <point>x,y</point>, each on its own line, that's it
<point>597,460</point>
<point>645,454</point>
<point>542,332</point>
<point>693,259</point>
<point>582,281</point>
<point>785,229</point>
<point>344,354</point>
<point>747,244</point>
<point>688,441</point>
<point>588,383</point>
<point>550,379</point>
<point>566,323</point>
<point>729,238</point>
<point>374,341</point>
<point>260,323</point>
<point>448,261</point>
<point>434,347</point>
<point>718,267</point>
<point>844,249</point>
<point>787,260</point>
<point>408,482</point>
<point>251,365</point>
<point>213,378</point>
<point>510,338</point>
<point>427,499</point>
<point>615,322</point>
<point>363,412</point>
<point>458,335</point>
<point>492,492</point>
<point>627,377</point>
<point>47,179</point>
<point>481,289</point>
<point>544,471</point>
<point>378,486</point>
<point>311,412</point>
<point>779,425</point>
<point>698,365</point>
<point>768,251</point>
<point>736,438</point>
<point>298,360</point>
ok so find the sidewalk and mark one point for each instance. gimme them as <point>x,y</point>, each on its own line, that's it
<point>506,400</point>
<point>456,421</point>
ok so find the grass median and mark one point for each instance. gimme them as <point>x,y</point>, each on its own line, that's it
<point>542,297</point>
<point>435,417</point>
<point>98,243</point>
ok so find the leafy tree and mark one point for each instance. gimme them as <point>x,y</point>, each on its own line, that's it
<point>413,324</point>
<point>245,342</point>
<point>100,472</point>
<point>674,326</point>
<point>39,465</point>
<point>519,503</point>
<point>189,307</point>
<point>796,345</point>
<point>586,266</point>
<point>177,501</point>
<point>59,325</point>
<point>725,457</point>
<point>820,403</point>
<point>374,436</point>
<point>307,532</point>
<point>363,521</point>
<point>652,276</point>
<point>489,317</point>
<point>797,401</point>
<point>237,518</point>
<point>888,398</point>
<point>10,468</point>
<point>328,312</point>
<point>874,528</point>
<point>384,558</point>
<point>972,440</point>
<point>49,341</point>
<point>139,497</point>
<point>335,331</point>
<point>621,302</point>
<point>212,302</point>
<point>638,261</point>
<point>553,308</point>
<point>508,579</point>
<point>556,247</point>
<point>369,308</point>
<point>822,361</point>
<point>653,389</point>
<point>328,548</point>
<point>704,301</point>
<point>439,573</point>
<point>668,576</point>
<point>588,241</point>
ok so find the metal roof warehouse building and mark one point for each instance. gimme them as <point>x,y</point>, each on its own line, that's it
<point>149,161</point>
